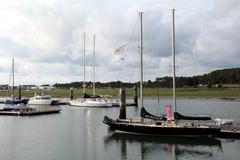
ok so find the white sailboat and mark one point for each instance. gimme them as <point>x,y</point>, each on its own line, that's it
<point>13,103</point>
<point>95,101</point>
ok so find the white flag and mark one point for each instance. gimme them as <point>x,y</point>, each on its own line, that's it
<point>118,53</point>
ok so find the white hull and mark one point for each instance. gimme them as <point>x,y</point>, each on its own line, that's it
<point>90,103</point>
<point>17,106</point>
<point>39,102</point>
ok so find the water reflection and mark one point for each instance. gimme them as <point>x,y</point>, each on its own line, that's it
<point>90,134</point>
<point>154,147</point>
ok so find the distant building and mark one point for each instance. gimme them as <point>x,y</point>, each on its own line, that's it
<point>4,86</point>
<point>46,86</point>
<point>29,86</point>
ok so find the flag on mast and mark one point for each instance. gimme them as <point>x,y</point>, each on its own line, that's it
<point>118,53</point>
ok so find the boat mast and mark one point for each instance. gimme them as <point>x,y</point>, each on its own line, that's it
<point>173,60</point>
<point>84,85</point>
<point>141,60</point>
<point>94,90</point>
<point>13,96</point>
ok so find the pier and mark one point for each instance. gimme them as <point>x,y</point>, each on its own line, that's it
<point>231,131</point>
<point>31,111</point>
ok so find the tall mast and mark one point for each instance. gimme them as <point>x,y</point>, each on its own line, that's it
<point>94,92</point>
<point>84,85</point>
<point>173,60</point>
<point>141,60</point>
<point>13,79</point>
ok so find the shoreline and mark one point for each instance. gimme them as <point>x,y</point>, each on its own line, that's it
<point>237,99</point>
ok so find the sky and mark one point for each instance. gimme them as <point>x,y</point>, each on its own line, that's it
<point>45,37</point>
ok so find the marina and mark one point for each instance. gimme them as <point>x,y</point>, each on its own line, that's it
<point>78,125</point>
<point>122,80</point>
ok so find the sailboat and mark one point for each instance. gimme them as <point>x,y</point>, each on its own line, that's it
<point>14,103</point>
<point>178,125</point>
<point>87,100</point>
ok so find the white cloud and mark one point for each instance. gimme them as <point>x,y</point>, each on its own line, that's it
<point>45,36</point>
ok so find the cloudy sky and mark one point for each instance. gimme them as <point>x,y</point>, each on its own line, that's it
<point>46,38</point>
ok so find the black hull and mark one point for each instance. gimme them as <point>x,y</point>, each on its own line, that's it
<point>175,140</point>
<point>14,102</point>
<point>157,130</point>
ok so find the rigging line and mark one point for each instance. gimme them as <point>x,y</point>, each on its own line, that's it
<point>10,79</point>
<point>148,44</point>
<point>129,44</point>
<point>147,41</point>
<point>119,73</point>
<point>170,70</point>
<point>133,31</point>
<point>147,33</point>
<point>184,35</point>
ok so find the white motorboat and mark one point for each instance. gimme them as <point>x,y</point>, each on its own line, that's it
<point>40,100</point>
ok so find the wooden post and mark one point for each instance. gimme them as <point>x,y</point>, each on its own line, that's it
<point>71,93</point>
<point>135,95</point>
<point>19,92</point>
<point>122,103</point>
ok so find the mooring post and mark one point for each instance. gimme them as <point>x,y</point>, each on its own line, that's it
<point>71,93</point>
<point>19,92</point>
<point>122,103</point>
<point>135,95</point>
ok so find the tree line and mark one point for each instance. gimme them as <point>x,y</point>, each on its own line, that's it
<point>218,77</point>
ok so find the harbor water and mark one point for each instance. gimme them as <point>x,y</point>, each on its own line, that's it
<point>79,134</point>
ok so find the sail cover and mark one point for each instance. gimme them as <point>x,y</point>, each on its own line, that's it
<point>145,114</point>
<point>179,116</point>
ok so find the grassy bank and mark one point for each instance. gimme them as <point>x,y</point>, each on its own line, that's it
<point>181,92</point>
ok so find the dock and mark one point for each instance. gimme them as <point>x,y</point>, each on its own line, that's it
<point>30,111</point>
<point>230,131</point>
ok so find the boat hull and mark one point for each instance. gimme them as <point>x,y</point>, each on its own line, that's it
<point>90,103</point>
<point>158,130</point>
<point>14,102</point>
<point>40,102</point>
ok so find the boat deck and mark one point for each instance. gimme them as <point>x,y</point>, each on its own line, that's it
<point>179,123</point>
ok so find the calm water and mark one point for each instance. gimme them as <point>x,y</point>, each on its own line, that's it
<point>79,134</point>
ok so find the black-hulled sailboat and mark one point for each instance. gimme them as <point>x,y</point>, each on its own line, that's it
<point>178,125</point>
